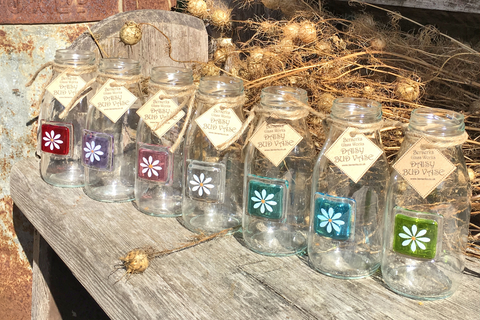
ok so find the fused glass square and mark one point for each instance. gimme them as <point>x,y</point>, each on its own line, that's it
<point>206,181</point>
<point>56,138</point>
<point>97,150</point>
<point>415,236</point>
<point>266,197</point>
<point>154,165</point>
<point>334,217</point>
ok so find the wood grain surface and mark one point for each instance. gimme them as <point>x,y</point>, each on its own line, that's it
<point>219,279</point>
<point>187,34</point>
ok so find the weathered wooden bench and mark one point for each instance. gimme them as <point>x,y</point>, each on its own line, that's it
<point>219,279</point>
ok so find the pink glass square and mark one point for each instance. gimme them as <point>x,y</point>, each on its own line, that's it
<point>56,139</point>
<point>153,165</point>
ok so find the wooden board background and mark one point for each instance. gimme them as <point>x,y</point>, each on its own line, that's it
<point>219,279</point>
<point>188,36</point>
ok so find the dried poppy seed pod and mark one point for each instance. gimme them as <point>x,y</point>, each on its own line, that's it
<point>290,30</point>
<point>307,32</point>
<point>136,261</point>
<point>130,33</point>
<point>221,18</point>
<point>198,8</point>
<point>407,90</point>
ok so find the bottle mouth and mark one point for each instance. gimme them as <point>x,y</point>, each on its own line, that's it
<point>436,121</point>
<point>283,97</point>
<point>74,57</point>
<point>357,110</point>
<point>172,75</point>
<point>120,66</point>
<point>221,86</point>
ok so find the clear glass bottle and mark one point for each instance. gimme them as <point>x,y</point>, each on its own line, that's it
<point>277,196</point>
<point>60,140</point>
<point>346,217</point>
<point>425,238</point>
<point>159,179</point>
<point>212,192</point>
<point>110,147</point>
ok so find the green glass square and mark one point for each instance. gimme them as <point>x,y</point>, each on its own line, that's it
<point>415,237</point>
<point>265,199</point>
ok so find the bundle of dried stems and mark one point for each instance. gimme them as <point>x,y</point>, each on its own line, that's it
<point>332,57</point>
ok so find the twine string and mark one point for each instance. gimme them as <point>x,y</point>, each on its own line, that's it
<point>226,103</point>
<point>301,110</point>
<point>179,92</point>
<point>59,68</point>
<point>439,142</point>
<point>102,78</point>
<point>174,147</point>
<point>360,128</point>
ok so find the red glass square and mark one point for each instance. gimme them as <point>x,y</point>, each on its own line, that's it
<point>56,139</point>
<point>153,165</point>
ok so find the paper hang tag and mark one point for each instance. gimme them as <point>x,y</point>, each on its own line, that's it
<point>156,109</point>
<point>113,102</point>
<point>219,125</point>
<point>275,141</point>
<point>64,87</point>
<point>353,155</point>
<point>423,169</point>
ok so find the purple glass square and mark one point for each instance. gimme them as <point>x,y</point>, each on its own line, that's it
<point>153,165</point>
<point>97,150</point>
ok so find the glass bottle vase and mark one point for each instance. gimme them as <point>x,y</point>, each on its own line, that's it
<point>428,208</point>
<point>60,138</point>
<point>277,176</point>
<point>159,179</point>
<point>348,192</point>
<point>109,141</point>
<point>212,192</point>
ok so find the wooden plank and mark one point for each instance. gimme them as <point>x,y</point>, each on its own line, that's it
<point>220,279</point>
<point>43,304</point>
<point>468,6</point>
<point>188,36</point>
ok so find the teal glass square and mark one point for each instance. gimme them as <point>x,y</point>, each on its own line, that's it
<point>415,237</point>
<point>334,217</point>
<point>266,199</point>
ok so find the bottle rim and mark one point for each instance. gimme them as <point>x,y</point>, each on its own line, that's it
<point>358,110</point>
<point>279,97</point>
<point>221,86</point>
<point>171,75</point>
<point>437,121</point>
<point>119,66</point>
<point>74,56</point>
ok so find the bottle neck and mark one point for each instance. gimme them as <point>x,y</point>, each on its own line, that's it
<point>119,67</point>
<point>74,58</point>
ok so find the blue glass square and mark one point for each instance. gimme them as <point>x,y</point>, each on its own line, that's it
<point>266,200</point>
<point>334,216</point>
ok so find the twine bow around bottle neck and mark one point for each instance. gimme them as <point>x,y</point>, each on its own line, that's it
<point>178,92</point>
<point>438,142</point>
<point>70,70</point>
<point>362,128</point>
<point>301,110</point>
<point>102,78</point>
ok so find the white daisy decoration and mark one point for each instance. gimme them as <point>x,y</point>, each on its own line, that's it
<point>52,140</point>
<point>413,237</point>
<point>92,152</point>
<point>263,201</point>
<point>330,220</point>
<point>201,184</point>
<point>150,166</point>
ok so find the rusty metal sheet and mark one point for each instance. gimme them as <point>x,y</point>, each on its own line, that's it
<point>64,11</point>
<point>55,11</point>
<point>23,49</point>
<point>130,5</point>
